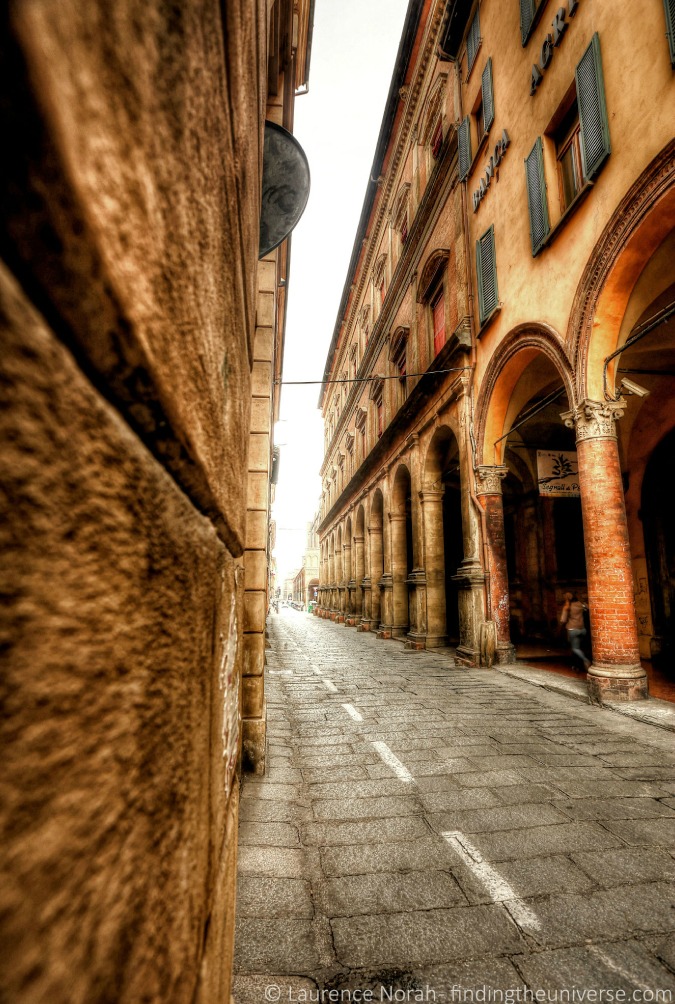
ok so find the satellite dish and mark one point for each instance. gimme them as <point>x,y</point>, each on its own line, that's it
<point>285,187</point>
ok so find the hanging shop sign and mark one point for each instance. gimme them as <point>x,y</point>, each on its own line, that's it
<point>493,164</point>
<point>558,473</point>
<point>551,43</point>
<point>285,187</point>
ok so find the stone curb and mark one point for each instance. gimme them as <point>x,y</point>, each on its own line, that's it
<point>653,711</point>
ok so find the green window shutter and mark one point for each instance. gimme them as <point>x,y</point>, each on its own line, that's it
<point>527,12</point>
<point>486,269</point>
<point>595,145</point>
<point>488,95</point>
<point>464,140</point>
<point>536,196</point>
<point>669,6</point>
<point>472,42</point>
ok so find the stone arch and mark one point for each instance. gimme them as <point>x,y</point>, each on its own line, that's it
<point>641,222</point>
<point>432,269</point>
<point>515,352</point>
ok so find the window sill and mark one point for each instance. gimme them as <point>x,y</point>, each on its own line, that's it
<point>562,222</point>
<point>488,320</point>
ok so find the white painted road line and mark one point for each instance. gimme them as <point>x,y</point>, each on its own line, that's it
<point>618,968</point>
<point>329,685</point>
<point>352,712</point>
<point>402,773</point>
<point>494,883</point>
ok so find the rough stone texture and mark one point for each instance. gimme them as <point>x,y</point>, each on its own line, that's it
<point>129,229</point>
<point>114,588</point>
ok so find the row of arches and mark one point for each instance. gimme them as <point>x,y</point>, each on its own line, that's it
<point>461,531</point>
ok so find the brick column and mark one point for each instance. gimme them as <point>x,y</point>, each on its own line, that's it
<point>489,491</point>
<point>616,673</point>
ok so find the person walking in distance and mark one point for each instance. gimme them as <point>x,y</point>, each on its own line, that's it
<point>573,618</point>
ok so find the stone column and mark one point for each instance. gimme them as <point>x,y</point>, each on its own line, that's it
<point>399,574</point>
<point>616,673</point>
<point>359,571</point>
<point>349,584</point>
<point>470,576</point>
<point>489,491</point>
<point>434,567</point>
<point>375,534</point>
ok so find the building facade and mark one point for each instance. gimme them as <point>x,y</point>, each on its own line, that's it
<point>140,338</point>
<point>495,450</point>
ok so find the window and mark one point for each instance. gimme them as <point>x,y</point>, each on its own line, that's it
<point>401,364</point>
<point>486,269</point>
<point>379,408</point>
<point>577,145</point>
<point>529,9</point>
<point>437,140</point>
<point>353,362</point>
<point>669,6</point>
<point>464,140</point>
<point>536,197</point>
<point>480,122</point>
<point>472,43</point>
<point>568,154</point>
<point>438,315</point>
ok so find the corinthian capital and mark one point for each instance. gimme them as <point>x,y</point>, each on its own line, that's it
<point>595,419</point>
<point>489,479</point>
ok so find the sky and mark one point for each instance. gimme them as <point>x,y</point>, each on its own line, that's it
<point>337,123</point>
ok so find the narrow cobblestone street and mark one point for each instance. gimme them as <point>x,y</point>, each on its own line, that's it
<point>423,827</point>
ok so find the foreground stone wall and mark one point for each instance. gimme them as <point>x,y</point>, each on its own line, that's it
<point>127,310</point>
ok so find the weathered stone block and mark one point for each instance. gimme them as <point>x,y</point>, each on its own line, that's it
<point>256,527</point>
<point>134,242</point>
<point>259,452</point>
<point>253,654</point>
<point>265,310</point>
<point>255,568</point>
<point>263,346</point>
<point>253,744</point>
<point>258,491</point>
<point>253,696</point>
<point>261,379</point>
<point>261,415</point>
<point>112,583</point>
<point>255,611</point>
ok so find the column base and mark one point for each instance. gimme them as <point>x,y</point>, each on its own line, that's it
<point>505,653</point>
<point>399,633</point>
<point>617,684</point>
<point>385,632</point>
<point>415,642</point>
<point>364,625</point>
<point>467,656</point>
<point>340,618</point>
<point>435,641</point>
<point>350,621</point>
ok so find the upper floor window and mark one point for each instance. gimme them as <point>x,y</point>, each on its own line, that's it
<point>567,139</point>
<point>399,358</point>
<point>472,42</point>
<point>438,315</point>
<point>529,16</point>
<point>379,275</point>
<point>431,291</point>
<point>575,147</point>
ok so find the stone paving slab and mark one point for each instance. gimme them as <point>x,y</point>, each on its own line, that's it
<point>424,937</point>
<point>512,837</point>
